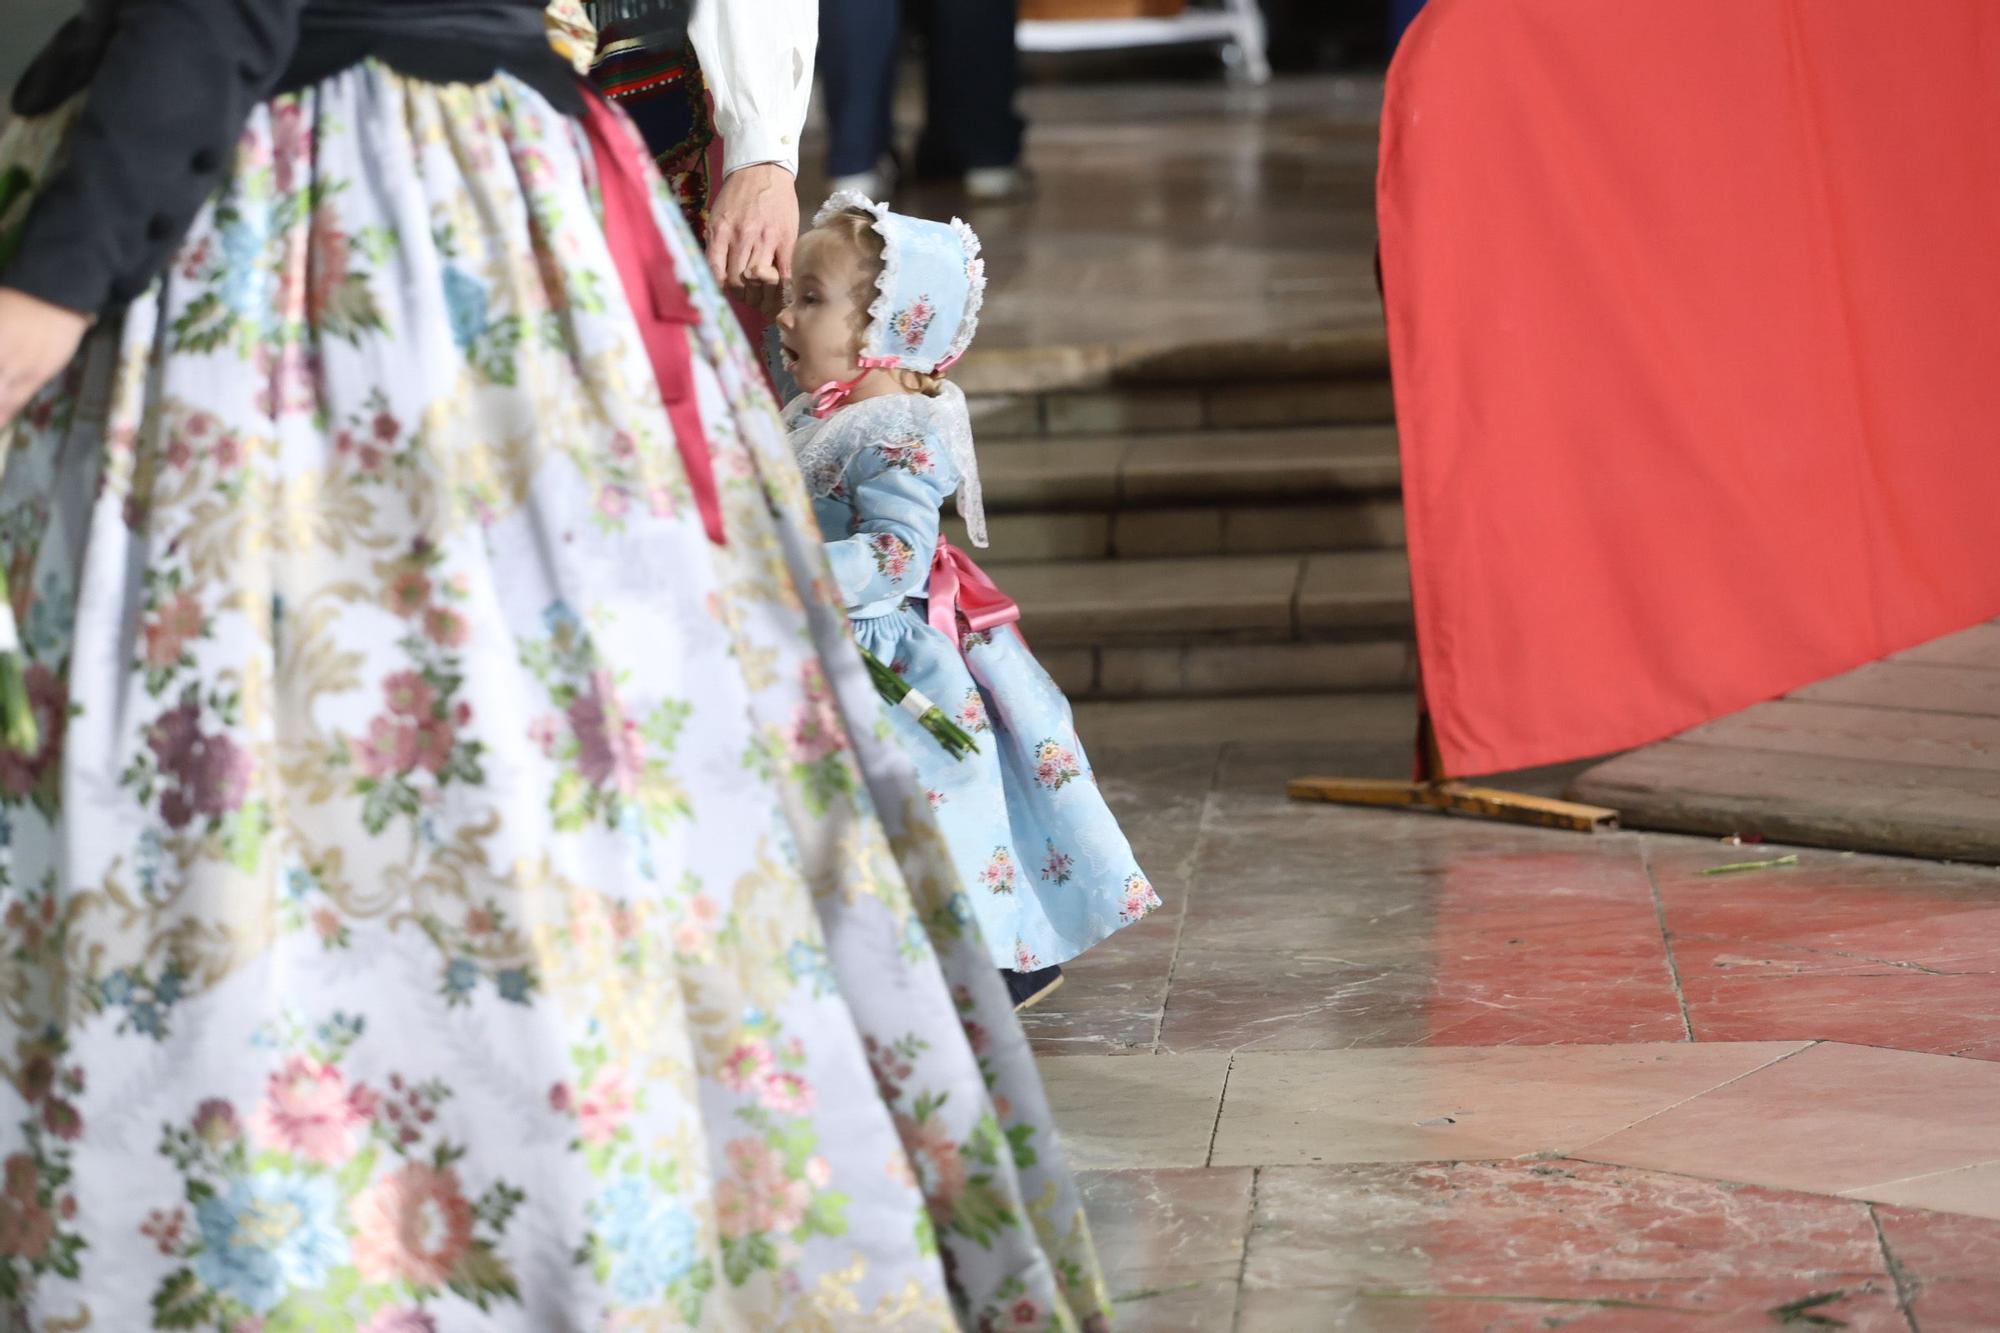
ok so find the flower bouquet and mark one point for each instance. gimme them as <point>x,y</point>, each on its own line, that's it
<point>898,693</point>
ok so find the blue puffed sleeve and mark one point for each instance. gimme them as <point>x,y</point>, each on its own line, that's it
<point>896,487</point>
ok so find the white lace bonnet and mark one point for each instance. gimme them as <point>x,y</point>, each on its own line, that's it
<point>927,299</point>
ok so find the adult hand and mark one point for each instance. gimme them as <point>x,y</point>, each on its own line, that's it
<point>751,231</point>
<point>36,341</point>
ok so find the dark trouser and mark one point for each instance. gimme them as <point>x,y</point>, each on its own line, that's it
<point>970,73</point>
<point>1402,13</point>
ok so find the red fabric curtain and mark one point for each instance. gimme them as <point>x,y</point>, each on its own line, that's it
<point>1694,311</point>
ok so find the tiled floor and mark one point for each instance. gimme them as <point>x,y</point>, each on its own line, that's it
<point>1387,1071</point>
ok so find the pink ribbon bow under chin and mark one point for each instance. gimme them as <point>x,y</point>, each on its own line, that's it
<point>961,590</point>
<point>834,393</point>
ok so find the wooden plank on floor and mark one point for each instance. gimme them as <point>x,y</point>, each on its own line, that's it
<point>1900,685</point>
<point>1840,731</point>
<point>1814,800</point>
<point>1976,647</point>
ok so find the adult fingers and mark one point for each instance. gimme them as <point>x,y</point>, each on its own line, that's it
<point>722,234</point>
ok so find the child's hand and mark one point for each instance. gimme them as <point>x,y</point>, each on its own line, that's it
<point>751,232</point>
<point>36,341</point>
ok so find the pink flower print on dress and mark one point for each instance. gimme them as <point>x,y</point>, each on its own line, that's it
<point>604,1108</point>
<point>171,629</point>
<point>1059,868</point>
<point>215,1123</point>
<point>207,775</point>
<point>817,732</point>
<point>409,694</point>
<point>310,1111</point>
<point>1000,873</point>
<point>401,1319</point>
<point>936,798</point>
<point>165,1229</point>
<point>413,1226</point>
<point>758,1196</point>
<point>787,1093</point>
<point>972,711</point>
<point>1056,764</point>
<point>446,627</point>
<point>409,592</point>
<point>912,322</point>
<point>1024,959</point>
<point>940,1166</point>
<point>611,750</point>
<point>892,554</point>
<point>911,456</point>
<point>747,1067</point>
<point>26,1226</point>
<point>1139,900</point>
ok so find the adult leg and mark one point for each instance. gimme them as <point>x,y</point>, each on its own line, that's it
<point>971,74</point>
<point>858,40</point>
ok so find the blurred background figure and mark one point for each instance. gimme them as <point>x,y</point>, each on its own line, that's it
<point>972,133</point>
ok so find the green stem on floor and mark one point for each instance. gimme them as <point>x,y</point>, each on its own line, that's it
<point>1738,867</point>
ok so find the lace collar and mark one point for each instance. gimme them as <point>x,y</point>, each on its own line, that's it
<point>825,446</point>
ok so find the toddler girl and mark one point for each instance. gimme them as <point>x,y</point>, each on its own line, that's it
<point>882,305</point>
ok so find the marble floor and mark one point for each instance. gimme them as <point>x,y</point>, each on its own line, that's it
<point>1173,214</point>
<point>1389,1071</point>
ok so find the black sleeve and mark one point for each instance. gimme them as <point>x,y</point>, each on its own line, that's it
<point>176,83</point>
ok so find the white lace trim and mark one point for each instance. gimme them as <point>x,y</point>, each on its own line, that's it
<point>825,446</point>
<point>975,291</point>
<point>878,309</point>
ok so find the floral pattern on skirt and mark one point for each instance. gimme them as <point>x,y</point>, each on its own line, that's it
<point>449,893</point>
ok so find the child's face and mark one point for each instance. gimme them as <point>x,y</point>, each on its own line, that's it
<point>821,326</point>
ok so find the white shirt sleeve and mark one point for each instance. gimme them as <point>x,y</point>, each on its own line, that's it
<point>757,56</point>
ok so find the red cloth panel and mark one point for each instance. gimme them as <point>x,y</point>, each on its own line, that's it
<point>1694,312</point>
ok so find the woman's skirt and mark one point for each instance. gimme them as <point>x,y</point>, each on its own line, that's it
<point>448,892</point>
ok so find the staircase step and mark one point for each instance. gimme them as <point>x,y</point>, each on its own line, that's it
<point>1186,406</point>
<point>1352,595</point>
<point>1196,670</point>
<point>1365,523</point>
<point>1360,352</point>
<point>1202,467</point>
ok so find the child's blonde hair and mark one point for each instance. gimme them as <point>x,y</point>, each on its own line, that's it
<point>856,227</point>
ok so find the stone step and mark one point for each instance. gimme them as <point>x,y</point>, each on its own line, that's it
<point>1218,624</point>
<point>1360,352</point>
<point>1191,494</point>
<point>1363,523</point>
<point>1185,406</point>
<point>1198,671</point>
<point>1115,471</point>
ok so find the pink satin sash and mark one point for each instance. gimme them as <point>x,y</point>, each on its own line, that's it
<point>659,302</point>
<point>961,591</point>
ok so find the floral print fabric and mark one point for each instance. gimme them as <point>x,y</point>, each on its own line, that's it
<point>449,893</point>
<point>1050,870</point>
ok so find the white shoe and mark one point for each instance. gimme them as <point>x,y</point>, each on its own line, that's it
<point>999,185</point>
<point>876,185</point>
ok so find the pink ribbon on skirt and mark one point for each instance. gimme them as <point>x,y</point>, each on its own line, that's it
<point>961,590</point>
<point>659,303</point>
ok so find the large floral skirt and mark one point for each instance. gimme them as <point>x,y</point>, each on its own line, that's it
<point>449,893</point>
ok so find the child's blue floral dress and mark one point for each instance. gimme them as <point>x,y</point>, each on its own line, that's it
<point>1049,871</point>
